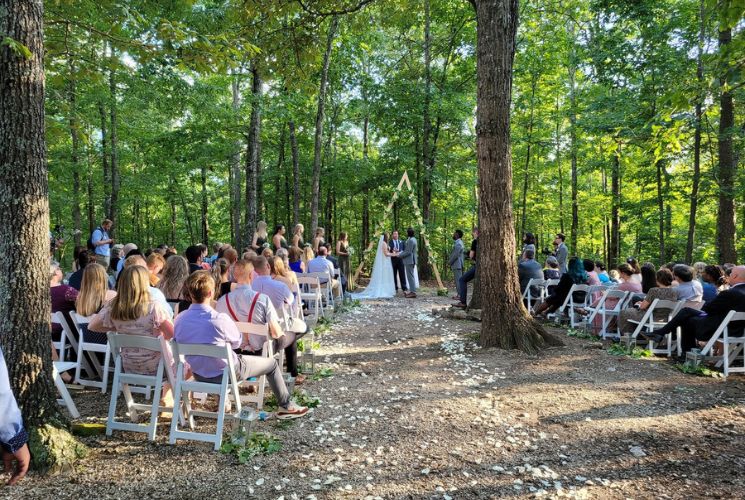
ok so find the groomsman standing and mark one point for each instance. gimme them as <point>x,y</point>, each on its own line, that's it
<point>396,245</point>
<point>456,260</point>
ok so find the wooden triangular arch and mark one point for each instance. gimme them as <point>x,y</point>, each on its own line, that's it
<point>422,229</point>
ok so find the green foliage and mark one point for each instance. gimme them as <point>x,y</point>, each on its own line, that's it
<point>17,47</point>
<point>301,345</point>
<point>700,370</point>
<point>635,351</point>
<point>322,373</point>
<point>244,448</point>
<point>442,292</point>
<point>302,398</point>
<point>581,334</point>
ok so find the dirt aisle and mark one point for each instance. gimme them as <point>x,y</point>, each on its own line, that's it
<point>415,410</point>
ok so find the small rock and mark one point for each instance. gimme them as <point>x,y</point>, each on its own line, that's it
<point>637,451</point>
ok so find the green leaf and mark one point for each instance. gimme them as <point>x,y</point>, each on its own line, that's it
<point>17,47</point>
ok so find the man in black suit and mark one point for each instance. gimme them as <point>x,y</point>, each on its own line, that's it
<point>399,276</point>
<point>700,325</point>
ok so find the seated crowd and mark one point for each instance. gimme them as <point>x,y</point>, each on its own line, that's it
<point>199,298</point>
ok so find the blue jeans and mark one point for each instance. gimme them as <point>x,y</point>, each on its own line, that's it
<point>463,284</point>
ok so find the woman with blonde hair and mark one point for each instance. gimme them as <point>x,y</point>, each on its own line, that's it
<point>94,291</point>
<point>174,277</point>
<point>318,239</point>
<point>155,264</point>
<point>308,255</point>
<point>297,236</point>
<point>260,236</point>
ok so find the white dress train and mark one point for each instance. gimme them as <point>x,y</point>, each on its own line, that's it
<point>381,284</point>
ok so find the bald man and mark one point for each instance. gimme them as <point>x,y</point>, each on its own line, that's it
<point>700,325</point>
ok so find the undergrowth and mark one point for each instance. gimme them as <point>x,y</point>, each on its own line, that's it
<point>635,351</point>
<point>700,370</point>
<point>245,447</point>
<point>580,334</point>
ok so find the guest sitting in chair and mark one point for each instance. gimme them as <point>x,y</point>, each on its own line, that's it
<point>662,291</point>
<point>688,289</point>
<point>575,275</point>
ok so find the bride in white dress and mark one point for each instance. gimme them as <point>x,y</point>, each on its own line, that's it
<point>381,284</point>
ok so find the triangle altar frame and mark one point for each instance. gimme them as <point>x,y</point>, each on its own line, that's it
<point>422,228</point>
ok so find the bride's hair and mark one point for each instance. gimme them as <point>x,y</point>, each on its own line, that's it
<point>385,237</point>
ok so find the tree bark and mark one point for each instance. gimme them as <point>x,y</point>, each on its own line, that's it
<point>295,174</point>
<point>114,147</point>
<point>726,170</point>
<point>235,172</point>
<point>253,155</point>
<point>615,222</point>
<point>105,163</point>
<point>573,134</point>
<point>660,210</point>
<point>427,146</point>
<point>318,144</point>
<point>280,166</point>
<point>204,200</point>
<point>558,167</point>
<point>91,202</point>
<point>75,150</point>
<point>24,224</point>
<point>505,321</point>
<point>533,85</point>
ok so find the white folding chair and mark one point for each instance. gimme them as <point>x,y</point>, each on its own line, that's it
<point>267,351</point>
<point>311,293</point>
<point>91,342</point>
<point>647,324</point>
<point>326,288</point>
<point>574,303</point>
<point>608,311</point>
<point>228,384</point>
<point>65,399</point>
<point>528,298</point>
<point>733,346</point>
<point>124,382</point>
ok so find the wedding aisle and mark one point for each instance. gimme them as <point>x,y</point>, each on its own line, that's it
<point>412,408</point>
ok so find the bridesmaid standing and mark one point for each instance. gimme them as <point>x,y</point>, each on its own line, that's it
<point>342,252</point>
<point>260,237</point>
<point>297,236</point>
<point>318,239</point>
<point>278,240</point>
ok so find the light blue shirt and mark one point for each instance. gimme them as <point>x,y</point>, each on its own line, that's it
<point>99,235</point>
<point>12,434</point>
<point>157,296</point>
<point>277,291</point>
<point>321,265</point>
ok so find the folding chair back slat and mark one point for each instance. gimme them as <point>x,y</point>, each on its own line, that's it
<point>87,343</point>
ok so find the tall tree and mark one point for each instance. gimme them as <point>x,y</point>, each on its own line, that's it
<point>253,154</point>
<point>505,322</point>
<point>295,174</point>
<point>24,223</point>
<point>235,171</point>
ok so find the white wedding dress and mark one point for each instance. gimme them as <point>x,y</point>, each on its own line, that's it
<point>381,284</point>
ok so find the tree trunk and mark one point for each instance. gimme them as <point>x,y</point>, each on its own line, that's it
<point>75,151</point>
<point>726,170</point>
<point>660,210</point>
<point>533,85</point>
<point>427,146</point>
<point>105,163</point>
<point>615,222</point>
<point>205,200</point>
<point>91,202</point>
<point>295,174</point>
<point>24,224</point>
<point>114,147</point>
<point>365,158</point>
<point>318,144</point>
<point>280,166</point>
<point>253,155</point>
<point>573,134</point>
<point>558,168</point>
<point>505,322</point>
<point>235,173</point>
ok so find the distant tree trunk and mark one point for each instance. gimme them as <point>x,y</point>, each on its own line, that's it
<point>114,143</point>
<point>726,170</point>
<point>505,322</point>
<point>696,139</point>
<point>172,200</point>
<point>105,163</point>
<point>573,134</point>
<point>253,155</point>
<point>427,146</point>
<point>661,210</point>
<point>317,148</point>
<point>366,190</point>
<point>24,224</point>
<point>91,201</point>
<point>235,173</point>
<point>205,201</point>
<point>280,166</point>
<point>75,150</point>
<point>295,174</point>
<point>615,221</point>
<point>558,167</point>
<point>526,174</point>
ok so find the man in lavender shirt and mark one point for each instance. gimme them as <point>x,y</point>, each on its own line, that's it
<point>201,324</point>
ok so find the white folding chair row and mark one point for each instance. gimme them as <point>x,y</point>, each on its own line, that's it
<point>326,287</point>
<point>608,311</point>
<point>125,382</point>
<point>529,299</point>
<point>87,343</point>
<point>310,292</point>
<point>647,324</point>
<point>574,302</point>
<point>733,347</point>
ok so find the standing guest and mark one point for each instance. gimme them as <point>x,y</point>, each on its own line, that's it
<point>688,289</point>
<point>126,250</point>
<point>133,312</point>
<point>206,265</point>
<point>76,278</point>
<point>637,275</point>
<point>193,255</point>
<point>13,436</point>
<point>295,257</point>
<point>601,272</point>
<point>201,324</point>
<point>220,274</point>
<point>455,260</point>
<point>551,271</point>
<point>318,239</point>
<point>337,266</point>
<point>155,264</point>
<point>75,254</point>
<point>297,236</point>
<point>63,298</point>
<point>215,250</point>
<point>471,273</point>
<point>528,244</point>
<point>395,246</point>
<point>174,276</point>
<point>321,264</point>
<point>649,277</point>
<point>561,252</point>
<point>260,237</point>
<point>101,242</point>
<point>712,280</point>
<point>308,255</point>
<point>278,239</point>
<point>528,269</point>
<point>663,291</point>
<point>575,275</point>
<point>342,253</point>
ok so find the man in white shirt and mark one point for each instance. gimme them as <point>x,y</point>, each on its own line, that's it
<point>320,265</point>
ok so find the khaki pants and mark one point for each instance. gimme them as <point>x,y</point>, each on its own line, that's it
<point>104,261</point>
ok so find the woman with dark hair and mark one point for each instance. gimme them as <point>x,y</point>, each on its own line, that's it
<point>649,277</point>
<point>575,275</point>
<point>528,244</point>
<point>75,253</point>
<point>295,258</point>
<point>278,239</point>
<point>636,274</point>
<point>342,251</point>
<point>712,279</point>
<point>663,291</point>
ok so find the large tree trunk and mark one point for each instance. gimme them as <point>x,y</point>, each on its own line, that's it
<point>660,210</point>
<point>253,158</point>
<point>726,170</point>
<point>558,167</point>
<point>573,134</point>
<point>427,142</point>
<point>365,158</point>
<point>697,135</point>
<point>280,166</point>
<point>75,151</point>
<point>505,321</point>
<point>295,174</point>
<point>205,201</point>
<point>235,173</point>
<point>114,147</point>
<point>318,144</point>
<point>24,224</point>
<point>615,222</point>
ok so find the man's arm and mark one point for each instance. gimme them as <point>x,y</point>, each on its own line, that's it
<point>13,436</point>
<point>721,304</point>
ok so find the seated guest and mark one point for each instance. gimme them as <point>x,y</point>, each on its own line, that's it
<point>688,289</point>
<point>335,262</point>
<point>663,291</point>
<point>628,284</point>
<point>281,271</point>
<point>700,325</point>
<point>133,312</point>
<point>201,324</point>
<point>698,271</point>
<point>193,255</point>
<point>76,278</point>
<point>267,253</point>
<point>155,294</point>
<point>649,277</point>
<point>601,272</point>
<point>75,254</point>
<point>614,276</point>
<point>231,255</point>
<point>712,280</point>
<point>116,255</point>
<point>155,265</point>
<point>126,250</point>
<point>321,264</point>
<point>63,298</point>
<point>551,271</point>
<point>94,295</point>
<point>13,436</point>
<point>215,250</point>
<point>296,260</point>
<point>636,276</point>
<point>575,275</point>
<point>308,255</point>
<point>206,265</point>
<point>174,276</point>
<point>627,281</point>
<point>220,275</point>
<point>592,277</point>
<point>528,269</point>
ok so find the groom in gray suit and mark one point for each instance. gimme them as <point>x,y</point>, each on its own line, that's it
<point>409,258</point>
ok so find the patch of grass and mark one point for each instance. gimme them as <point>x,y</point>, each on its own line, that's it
<point>700,370</point>
<point>322,373</point>
<point>323,325</point>
<point>283,424</point>
<point>474,336</point>
<point>246,447</point>
<point>304,399</point>
<point>635,351</point>
<point>442,292</point>
<point>580,334</point>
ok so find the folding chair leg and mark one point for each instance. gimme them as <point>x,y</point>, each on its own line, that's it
<point>177,405</point>
<point>64,393</point>
<point>105,376</point>
<point>112,405</point>
<point>130,402</point>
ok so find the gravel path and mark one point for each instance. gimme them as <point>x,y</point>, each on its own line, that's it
<point>414,409</point>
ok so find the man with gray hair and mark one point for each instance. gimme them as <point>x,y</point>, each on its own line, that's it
<point>528,269</point>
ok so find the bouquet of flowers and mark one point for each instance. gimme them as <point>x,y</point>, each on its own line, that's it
<point>350,251</point>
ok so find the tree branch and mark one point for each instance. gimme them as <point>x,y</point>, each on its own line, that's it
<point>328,13</point>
